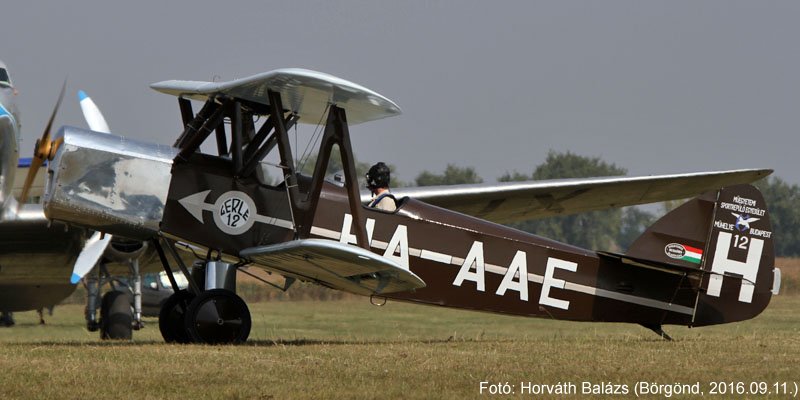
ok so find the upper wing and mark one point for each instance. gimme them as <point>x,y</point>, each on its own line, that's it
<point>518,201</point>
<point>336,265</point>
<point>305,92</point>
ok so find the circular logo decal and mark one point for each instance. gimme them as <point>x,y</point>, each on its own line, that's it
<point>675,250</point>
<point>234,212</point>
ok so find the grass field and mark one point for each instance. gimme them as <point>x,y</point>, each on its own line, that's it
<point>351,349</point>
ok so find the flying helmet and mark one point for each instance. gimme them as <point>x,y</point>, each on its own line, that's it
<point>378,176</point>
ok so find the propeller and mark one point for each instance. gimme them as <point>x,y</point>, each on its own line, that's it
<point>44,149</point>
<point>94,248</point>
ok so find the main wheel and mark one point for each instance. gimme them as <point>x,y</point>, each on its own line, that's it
<point>92,326</point>
<point>172,315</point>
<point>218,316</point>
<point>116,316</point>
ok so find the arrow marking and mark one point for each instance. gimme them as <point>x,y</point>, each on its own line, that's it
<point>234,211</point>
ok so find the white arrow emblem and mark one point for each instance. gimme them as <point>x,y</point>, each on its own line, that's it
<point>234,211</point>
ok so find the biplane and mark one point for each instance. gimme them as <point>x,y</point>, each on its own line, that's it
<point>698,265</point>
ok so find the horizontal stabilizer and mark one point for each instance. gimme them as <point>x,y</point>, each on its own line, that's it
<point>306,93</point>
<point>646,263</point>
<point>336,265</point>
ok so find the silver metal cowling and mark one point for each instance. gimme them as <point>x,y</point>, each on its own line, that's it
<point>109,183</point>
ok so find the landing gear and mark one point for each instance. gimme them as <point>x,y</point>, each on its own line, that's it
<point>218,316</point>
<point>116,316</point>
<point>92,295</point>
<point>112,311</point>
<point>137,295</point>
<point>210,312</point>
<point>172,316</point>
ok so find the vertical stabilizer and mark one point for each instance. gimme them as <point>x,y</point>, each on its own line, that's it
<point>740,259</point>
<point>726,237</point>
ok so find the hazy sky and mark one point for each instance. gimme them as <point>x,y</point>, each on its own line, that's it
<point>656,87</point>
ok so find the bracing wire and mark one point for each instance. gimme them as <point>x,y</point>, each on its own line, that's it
<point>296,144</point>
<point>316,136</point>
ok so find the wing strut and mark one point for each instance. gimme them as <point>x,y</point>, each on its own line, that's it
<point>285,152</point>
<point>336,132</point>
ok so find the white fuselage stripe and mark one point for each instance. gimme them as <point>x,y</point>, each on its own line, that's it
<point>435,256</point>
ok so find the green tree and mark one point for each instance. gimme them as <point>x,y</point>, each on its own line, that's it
<point>452,175</point>
<point>569,165</point>
<point>606,229</point>
<point>782,201</point>
<point>634,223</point>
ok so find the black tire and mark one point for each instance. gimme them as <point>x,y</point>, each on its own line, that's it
<point>218,316</point>
<point>116,316</point>
<point>172,315</point>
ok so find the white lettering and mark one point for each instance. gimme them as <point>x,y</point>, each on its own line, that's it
<point>722,264</point>
<point>724,225</point>
<point>349,238</point>
<point>475,256</point>
<point>518,267</point>
<point>744,200</point>
<point>550,282</point>
<point>742,209</point>
<point>399,240</point>
<point>761,233</point>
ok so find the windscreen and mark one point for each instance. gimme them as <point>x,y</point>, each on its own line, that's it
<point>4,79</point>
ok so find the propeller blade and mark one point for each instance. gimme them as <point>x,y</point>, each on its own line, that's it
<point>46,134</point>
<point>36,162</point>
<point>92,114</point>
<point>42,150</point>
<point>93,249</point>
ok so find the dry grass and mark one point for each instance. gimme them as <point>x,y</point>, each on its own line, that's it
<point>790,271</point>
<point>350,349</point>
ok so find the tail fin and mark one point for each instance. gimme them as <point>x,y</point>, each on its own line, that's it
<point>726,237</point>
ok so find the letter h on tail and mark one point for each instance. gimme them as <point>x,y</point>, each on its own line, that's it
<point>722,264</point>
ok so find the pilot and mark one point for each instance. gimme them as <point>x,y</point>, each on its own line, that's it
<point>378,178</point>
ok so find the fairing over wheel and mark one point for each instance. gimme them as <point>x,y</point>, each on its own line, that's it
<point>172,315</point>
<point>218,316</point>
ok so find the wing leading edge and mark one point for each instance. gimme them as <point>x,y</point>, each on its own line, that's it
<point>336,265</point>
<point>518,201</point>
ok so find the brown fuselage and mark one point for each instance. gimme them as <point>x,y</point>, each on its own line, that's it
<point>465,262</point>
